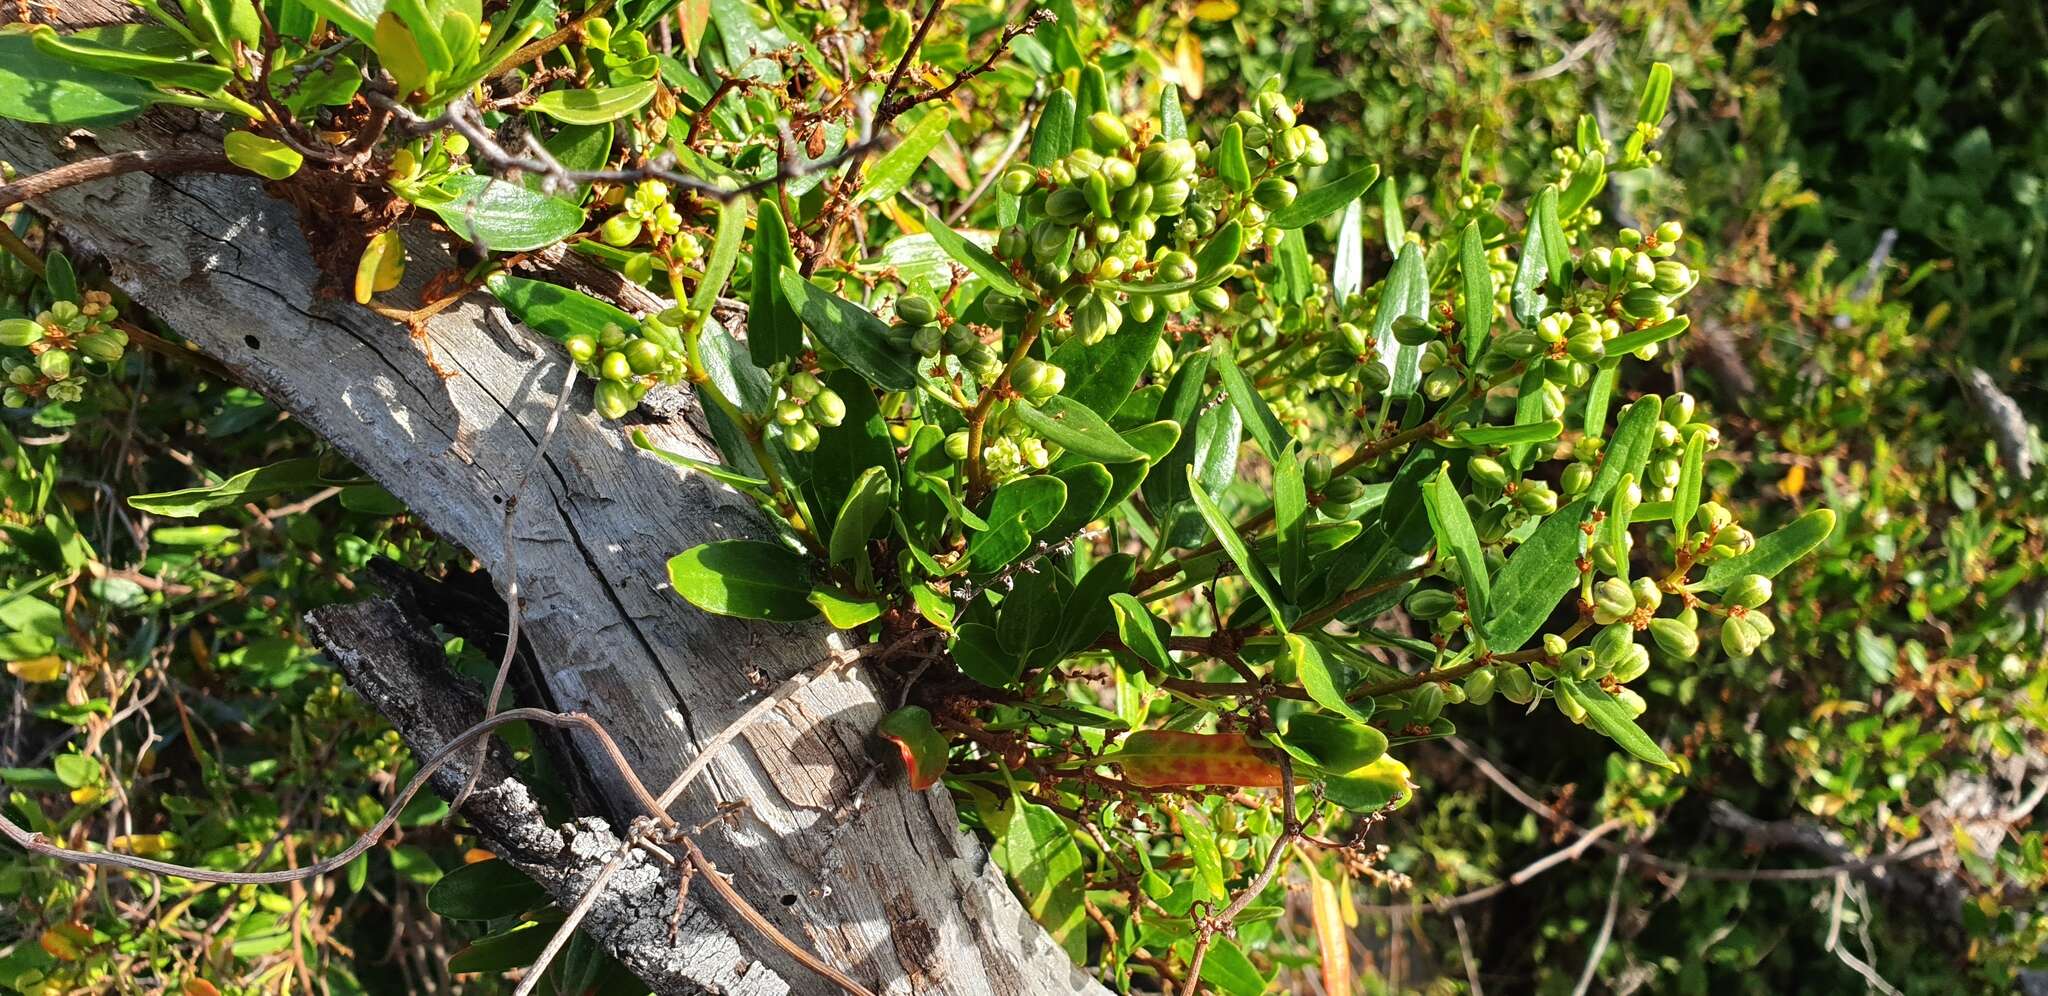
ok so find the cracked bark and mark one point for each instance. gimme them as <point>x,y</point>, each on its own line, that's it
<point>833,847</point>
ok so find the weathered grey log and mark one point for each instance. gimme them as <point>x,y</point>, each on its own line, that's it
<point>878,880</point>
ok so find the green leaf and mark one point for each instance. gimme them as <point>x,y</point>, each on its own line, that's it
<point>1541,570</point>
<point>1143,633</point>
<point>844,611</point>
<point>1336,744</point>
<point>717,472</point>
<point>972,256</point>
<point>1037,849</point>
<point>1506,435</point>
<point>725,254</point>
<point>1629,450</point>
<point>1017,511</point>
<point>980,655</point>
<point>1074,426</point>
<point>247,486</point>
<point>485,890</point>
<point>1326,199</point>
<point>357,17</point>
<point>745,578</point>
<point>1476,310</point>
<point>1290,519</point>
<point>1773,553</point>
<point>1227,968</point>
<point>1405,295</point>
<point>162,70</point>
<point>733,374</point>
<point>889,174</point>
<point>1526,297</point>
<point>1088,486</point>
<point>1102,376</point>
<point>1557,252</point>
<point>597,105</point>
<point>1609,716</point>
<point>503,217</point>
<point>854,335</point>
<point>1054,135</point>
<point>1598,393</point>
<point>1629,342</point>
<point>863,510</point>
<point>558,312</point>
<point>1088,613</point>
<point>1656,95</point>
<point>1391,226</point>
<point>1685,499</point>
<point>40,88</point>
<point>1316,679</point>
<point>265,157</point>
<point>1212,264</point>
<point>774,332</point>
<point>514,948</point>
<point>1229,159</point>
<point>1457,541</point>
<point>1255,573</point>
<point>924,749</point>
<point>1173,122</point>
<point>1265,428</point>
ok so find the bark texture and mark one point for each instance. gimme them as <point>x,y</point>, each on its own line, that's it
<point>832,846</point>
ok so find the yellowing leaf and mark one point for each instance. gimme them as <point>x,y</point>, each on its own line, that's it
<point>1188,67</point>
<point>400,53</point>
<point>381,267</point>
<point>146,845</point>
<point>86,795</point>
<point>1794,482</point>
<point>1216,10</point>
<point>265,157</point>
<point>48,667</point>
<point>1327,907</point>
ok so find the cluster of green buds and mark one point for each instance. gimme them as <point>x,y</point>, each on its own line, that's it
<point>919,329</point>
<point>802,404</point>
<point>628,365</point>
<point>644,211</point>
<point>64,344</point>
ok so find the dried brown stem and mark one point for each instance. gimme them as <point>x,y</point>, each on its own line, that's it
<point>114,164</point>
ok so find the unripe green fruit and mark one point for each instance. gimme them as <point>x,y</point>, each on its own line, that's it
<point>1096,319</point>
<point>1587,348</point>
<point>1293,143</point>
<point>1762,624</point>
<point>1067,206</point>
<point>1274,109</point>
<point>1334,362</point>
<point>1535,498</point>
<point>1430,604</point>
<point>915,309</point>
<point>55,364</point>
<point>1514,685</point>
<point>1488,471</point>
<point>620,230</point>
<point>20,331</point>
<point>1602,556</point>
<point>1412,331</point>
<point>1479,687</point>
<point>644,357</point>
<point>1355,338</point>
<point>1214,300</point>
<point>1019,179</point>
<point>14,398</point>
<point>956,445</point>
<point>801,437</point>
<point>1273,193</point>
<point>1647,594</point>
<point>1440,384</point>
<point>1122,176</point>
<point>1343,490</point>
<point>1315,471</point>
<point>1739,638</point>
<point>1611,642</point>
<point>1675,638</point>
<point>1576,478</point>
<point>1749,591</point>
<point>1642,269</point>
<point>789,411</point>
<point>925,341</point>
<point>1013,243</point>
<point>1096,187</point>
<point>828,408</point>
<point>1634,663</point>
<point>1038,380</point>
<point>613,399</point>
<point>1427,704</point>
<point>1373,377</point>
<point>1612,601</point>
<point>1004,308</point>
<point>104,346</point>
<point>615,366</point>
<point>1641,303</point>
<point>1670,232</point>
<point>1107,131</point>
<point>1672,277</point>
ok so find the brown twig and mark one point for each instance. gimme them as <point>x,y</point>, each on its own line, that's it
<point>1209,927</point>
<point>114,164</point>
<point>891,109</point>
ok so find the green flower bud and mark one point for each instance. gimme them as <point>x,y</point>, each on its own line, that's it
<point>1554,644</point>
<point>1067,206</point>
<point>1274,109</point>
<point>20,332</point>
<point>1575,479</point>
<point>1018,180</point>
<point>925,341</point>
<point>1670,232</point>
<point>1427,704</point>
<point>1038,380</point>
<point>1611,642</point>
<point>1334,362</point>
<point>1096,319</point>
<point>1514,684</point>
<point>1571,709</point>
<point>1343,490</point>
<point>915,309</point>
<point>1519,345</point>
<point>1641,303</point>
<point>1373,377</point>
<point>789,411</point>
<point>613,399</point>
<point>1672,277</point>
<point>801,437</point>
<point>1761,622</point>
<point>1315,471</point>
<point>104,346</point>
<point>1293,143</point>
<point>1642,269</point>
<point>956,445</point>
<point>1214,300</point>
<point>1488,471</point>
<point>1123,176</point>
<point>1107,131</point>
<point>1634,663</point>
<point>1440,384</point>
<point>14,398</point>
<point>620,230</point>
<point>1612,601</point>
<point>1004,308</point>
<point>1096,188</point>
<point>644,357</point>
<point>1714,517</point>
<point>55,364</point>
<point>1738,637</point>
<point>1648,595</point>
<point>1479,687</point>
<point>1273,193</point>
<point>1412,331</point>
<point>1749,591</point>
<point>1430,604</point>
<point>1675,638</point>
<point>1587,348</point>
<point>828,408</point>
<point>1602,556</point>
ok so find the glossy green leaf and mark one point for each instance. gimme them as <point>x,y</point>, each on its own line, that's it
<point>1336,744</point>
<point>717,472</point>
<point>1539,573</point>
<point>1656,95</point>
<point>1457,541</point>
<point>1404,295</point>
<point>1609,716</point>
<point>980,656</point>
<point>1476,281</point>
<point>774,333</point>
<point>1325,200</point>
<point>1316,679</point>
<point>1173,122</point>
<point>1088,486</point>
<point>725,254</point>
<point>265,157</point>
<point>1036,848</point>
<point>1773,553</point>
<point>891,172</point>
<point>558,312</point>
<point>1528,298</point>
<point>1506,435</point>
<point>1392,228</point>
<point>863,510</point>
<point>1016,512</point>
<point>1629,342</point>
<point>854,335</point>
<point>1685,498</point>
<point>1227,968</point>
<point>503,217</point>
<point>1634,435</point>
<point>1212,264</point>
<point>485,890</point>
<point>162,70</point>
<point>1103,375</point>
<point>40,88</point>
<point>1074,426</point>
<point>1290,519</point>
<point>1229,158</point>
<point>1088,612</point>
<point>844,611</point>
<point>745,578</point>
<point>1259,419</point>
<point>596,105</point>
<point>972,256</point>
<point>1255,573</point>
